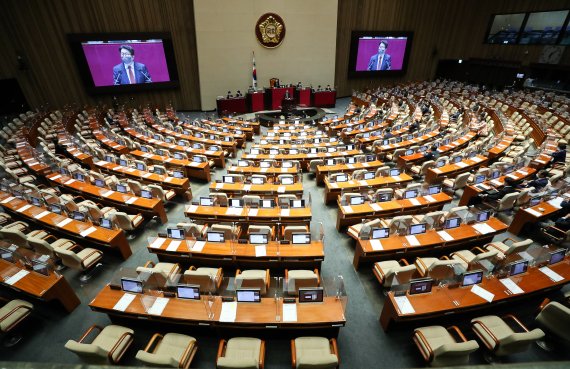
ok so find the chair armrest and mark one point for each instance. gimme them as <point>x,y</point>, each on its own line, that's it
<point>88,332</point>
<point>51,236</point>
<point>444,257</point>
<point>155,337</point>
<point>192,267</point>
<point>14,310</point>
<point>293,355</point>
<point>455,329</point>
<point>478,249</point>
<point>515,319</point>
<point>428,356</point>
<point>149,264</point>
<point>262,352</point>
<point>188,355</point>
<point>460,257</point>
<point>126,335</point>
<point>422,268</point>
<point>221,348</point>
<point>267,281</point>
<point>508,239</point>
<point>403,262</point>
<point>318,276</point>
<point>88,256</point>
<point>334,348</point>
<point>489,332</point>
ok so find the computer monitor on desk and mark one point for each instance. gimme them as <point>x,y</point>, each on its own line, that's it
<point>300,203</point>
<point>287,180</point>
<point>56,208</point>
<point>257,180</point>
<point>369,175</point>
<point>79,176</point>
<point>175,233</point>
<point>6,254</point>
<point>228,179</point>
<point>268,203</point>
<point>518,267</point>
<point>557,256</point>
<point>341,178</point>
<point>248,295</point>
<point>495,174</point>
<point>35,201</point>
<point>265,164</point>
<point>99,182</point>
<point>383,197</point>
<point>178,174</point>
<point>379,233</point>
<point>188,291</point>
<point>417,229</point>
<point>206,201</point>
<point>258,238</point>
<point>236,203</point>
<point>483,216</point>
<point>410,194</point>
<point>301,238</point>
<point>287,164</point>
<point>534,201</point>
<point>472,278</point>
<point>418,286</point>
<point>131,285</point>
<point>141,167</point>
<point>357,200</point>
<point>394,172</point>
<point>215,236</point>
<point>350,160</point>
<point>121,188</point>
<point>78,215</point>
<point>146,194</point>
<point>106,223</point>
<point>311,295</point>
<point>434,190</point>
<point>479,179</point>
<point>452,223</point>
<point>329,162</point>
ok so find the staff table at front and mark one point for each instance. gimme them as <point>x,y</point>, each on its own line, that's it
<point>395,246</point>
<point>273,255</point>
<point>128,202</point>
<point>436,175</point>
<point>335,189</point>
<point>353,214</point>
<point>249,215</point>
<point>447,301</point>
<point>82,232</point>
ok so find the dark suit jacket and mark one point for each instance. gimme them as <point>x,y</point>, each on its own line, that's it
<point>386,62</point>
<point>120,76</point>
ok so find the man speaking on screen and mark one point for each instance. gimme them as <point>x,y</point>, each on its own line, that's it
<point>380,61</point>
<point>129,72</point>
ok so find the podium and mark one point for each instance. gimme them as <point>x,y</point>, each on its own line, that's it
<point>274,96</point>
<point>255,101</point>
<point>234,105</point>
<point>324,99</point>
<point>303,96</point>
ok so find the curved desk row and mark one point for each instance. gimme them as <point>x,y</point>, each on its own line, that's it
<point>436,175</point>
<point>324,170</point>
<point>249,215</point>
<point>190,168</point>
<point>257,189</point>
<point>335,189</point>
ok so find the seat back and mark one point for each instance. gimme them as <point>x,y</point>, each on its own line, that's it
<point>301,279</point>
<point>461,181</point>
<point>345,198</point>
<point>555,318</point>
<point>157,192</point>
<point>364,233</point>
<point>249,200</point>
<point>260,229</point>
<point>123,221</point>
<point>202,279</point>
<point>434,219</point>
<point>229,232</point>
<point>70,259</point>
<point>220,198</point>
<point>14,236</point>
<point>92,353</point>
<point>444,269</point>
<point>518,342</point>
<point>508,201</point>
<point>289,230</point>
<point>400,223</point>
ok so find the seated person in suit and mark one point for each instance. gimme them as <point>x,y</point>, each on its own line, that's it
<point>380,60</point>
<point>414,126</point>
<point>432,154</point>
<point>238,94</point>
<point>495,195</point>
<point>229,96</point>
<point>559,156</point>
<point>539,183</point>
<point>328,88</point>
<point>388,134</point>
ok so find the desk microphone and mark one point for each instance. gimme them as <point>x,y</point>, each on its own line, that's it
<point>146,76</point>
<point>118,77</point>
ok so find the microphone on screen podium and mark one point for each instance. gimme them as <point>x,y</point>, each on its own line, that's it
<point>146,76</point>
<point>118,78</point>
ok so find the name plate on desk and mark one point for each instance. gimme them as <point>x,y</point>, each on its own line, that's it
<point>64,222</point>
<point>16,277</point>
<point>445,236</point>
<point>24,208</point>
<point>88,231</point>
<point>192,208</point>
<point>124,302</point>
<point>429,198</point>
<point>555,277</point>
<point>461,164</point>
<point>173,245</point>
<point>157,243</point>
<point>42,214</point>
<point>412,240</point>
<point>404,305</point>
<point>289,312</point>
<point>285,212</point>
<point>376,207</point>
<point>483,228</point>
<point>347,209</point>
<point>281,189</point>
<point>198,246</point>
<point>158,306</point>
<point>229,312</point>
<point>260,251</point>
<point>252,212</point>
<point>483,293</point>
<point>376,245</point>
<point>533,212</point>
<point>415,202</point>
<point>511,286</point>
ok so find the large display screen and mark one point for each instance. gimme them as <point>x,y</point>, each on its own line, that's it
<point>379,53</point>
<point>505,28</point>
<point>111,63</point>
<point>543,27</point>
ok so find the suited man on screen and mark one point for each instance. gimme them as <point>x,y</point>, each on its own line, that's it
<point>381,60</point>
<point>129,72</point>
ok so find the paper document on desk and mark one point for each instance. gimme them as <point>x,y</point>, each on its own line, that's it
<point>42,214</point>
<point>173,246</point>
<point>64,222</point>
<point>192,208</point>
<point>260,251</point>
<point>69,181</point>
<point>289,312</point>
<point>158,307</point>
<point>350,166</point>
<point>198,246</point>
<point>24,208</point>
<point>233,211</point>
<point>533,212</point>
<point>445,236</point>
<point>396,178</point>
<point>404,305</point>
<point>252,212</point>
<point>157,243</point>
<point>415,202</point>
<point>413,241</point>
<point>438,171</point>
<point>124,302</point>
<point>7,200</point>
<point>376,245</point>
<point>461,164</point>
<point>483,228</point>
<point>229,312</point>
<point>333,185</point>
<point>347,209</point>
<point>146,175</point>
<point>88,231</point>
<point>363,182</point>
<point>107,193</point>
<point>281,189</point>
<point>429,198</point>
<point>56,177</point>
<point>16,277</point>
<point>376,207</point>
<point>511,286</point>
<point>483,293</point>
<point>131,200</point>
<point>555,277</point>
<point>556,202</point>
<point>285,212</point>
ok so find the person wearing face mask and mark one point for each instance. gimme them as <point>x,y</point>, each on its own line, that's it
<point>129,72</point>
<point>381,60</point>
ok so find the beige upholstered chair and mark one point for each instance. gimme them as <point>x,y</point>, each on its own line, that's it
<point>209,279</point>
<point>362,230</point>
<point>439,269</point>
<point>433,219</point>
<point>85,260</point>
<point>12,314</point>
<point>220,198</point>
<point>313,164</point>
<point>256,278</point>
<point>162,273</point>
<point>345,198</point>
<point>389,272</point>
<point>267,230</point>
<point>249,200</point>
<point>127,222</point>
<point>42,246</point>
<point>314,352</point>
<point>399,224</point>
<point>472,259</point>
<point>457,183</point>
<point>285,200</point>
<point>230,232</point>
<point>193,229</point>
<point>296,279</point>
<point>241,352</point>
<point>171,350</point>
<point>439,348</point>
<point>289,230</point>
<point>554,318</point>
<point>160,193</point>
<point>500,339</point>
<point>107,348</point>
<point>507,202</point>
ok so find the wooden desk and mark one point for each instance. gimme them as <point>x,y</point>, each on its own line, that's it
<point>269,172</point>
<point>471,191</point>
<point>148,207</point>
<point>109,144</point>
<point>328,315</point>
<point>178,185</point>
<point>437,175</point>
<point>533,215</point>
<point>212,214</point>
<point>39,286</point>
<point>416,158</point>
<point>395,247</point>
<point>384,149</point>
<point>217,156</point>
<point>257,189</point>
<point>499,149</point>
<point>304,159</point>
<point>192,169</point>
<point>335,189</point>
<point>238,255</point>
<point>353,214</point>
<point>444,301</point>
<point>324,170</point>
<point>239,137</point>
<point>102,238</point>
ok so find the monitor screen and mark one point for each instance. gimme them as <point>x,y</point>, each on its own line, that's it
<point>378,233</point>
<point>505,28</point>
<point>409,152</point>
<point>131,285</point>
<point>297,203</point>
<point>121,188</point>
<point>56,208</point>
<point>534,201</point>
<point>106,223</point>
<point>440,164</point>
<point>141,166</point>
<point>257,180</point>
<point>433,190</point>
<point>248,295</point>
<point>483,216</point>
<point>109,159</point>
<point>99,182</point>
<point>383,197</point>
<point>472,278</point>
<point>312,294</point>
<point>356,200</point>
<point>329,162</point>
<point>228,179</point>
<point>341,178</point>
<point>146,194</point>
<point>123,162</point>
<point>480,178</point>
<point>301,238</point>
<point>236,203</point>
<point>258,238</point>
<point>457,159</point>
<point>348,147</point>
<point>175,233</point>
<point>188,291</point>
<point>159,171</point>
<point>452,223</point>
<point>35,201</point>
<point>40,267</point>
<point>287,180</point>
<point>370,158</point>
<point>121,62</point>
<point>287,164</point>
<point>206,201</point>
<point>242,163</point>
<point>518,267</point>
<point>6,254</point>
<point>196,159</point>
<point>350,160</point>
<point>215,236</point>
<point>418,286</point>
<point>418,228</point>
<point>78,215</point>
<point>369,175</point>
<point>409,194</point>
<point>394,172</point>
<point>273,152</point>
<point>79,176</point>
<point>557,256</point>
<point>267,203</point>
<point>144,149</point>
<point>265,164</point>
<point>495,174</point>
<point>177,156</point>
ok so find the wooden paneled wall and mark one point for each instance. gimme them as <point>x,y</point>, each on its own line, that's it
<point>36,30</point>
